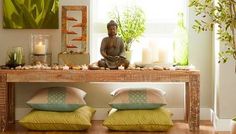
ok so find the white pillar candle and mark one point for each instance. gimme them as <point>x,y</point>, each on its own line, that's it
<point>40,48</point>
<point>163,54</point>
<point>155,50</point>
<point>146,56</point>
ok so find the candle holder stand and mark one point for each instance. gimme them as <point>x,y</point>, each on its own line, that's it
<point>41,59</point>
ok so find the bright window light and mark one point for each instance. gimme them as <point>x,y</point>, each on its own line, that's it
<point>161,20</point>
<point>155,10</point>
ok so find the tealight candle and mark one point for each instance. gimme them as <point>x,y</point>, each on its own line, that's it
<point>65,67</point>
<point>121,67</point>
<point>191,67</point>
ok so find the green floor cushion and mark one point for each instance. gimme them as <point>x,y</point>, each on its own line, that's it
<point>138,98</point>
<point>58,99</point>
<point>139,120</point>
<point>79,119</point>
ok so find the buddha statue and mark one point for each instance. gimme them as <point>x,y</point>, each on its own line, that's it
<point>112,49</point>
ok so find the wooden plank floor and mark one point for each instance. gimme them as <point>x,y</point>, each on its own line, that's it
<point>97,128</point>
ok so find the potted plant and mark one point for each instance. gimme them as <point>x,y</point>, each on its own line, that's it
<point>131,25</point>
<point>15,57</point>
<point>223,14</point>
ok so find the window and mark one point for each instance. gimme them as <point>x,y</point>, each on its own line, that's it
<point>161,20</point>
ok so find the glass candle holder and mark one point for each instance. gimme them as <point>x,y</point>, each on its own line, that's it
<point>40,49</point>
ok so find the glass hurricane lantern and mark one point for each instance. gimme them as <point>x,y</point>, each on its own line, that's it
<point>40,49</point>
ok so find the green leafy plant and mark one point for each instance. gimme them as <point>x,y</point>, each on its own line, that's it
<point>131,24</point>
<point>15,57</point>
<point>223,14</point>
<point>30,14</point>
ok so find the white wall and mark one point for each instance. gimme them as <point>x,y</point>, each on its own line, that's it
<point>227,90</point>
<point>224,90</point>
<point>224,83</point>
<point>200,55</point>
<point>98,93</point>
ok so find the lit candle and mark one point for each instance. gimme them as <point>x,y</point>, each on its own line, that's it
<point>121,67</point>
<point>40,48</point>
<point>146,56</point>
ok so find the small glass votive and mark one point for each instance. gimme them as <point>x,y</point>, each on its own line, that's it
<point>40,49</point>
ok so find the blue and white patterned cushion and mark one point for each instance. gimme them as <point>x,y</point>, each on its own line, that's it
<point>138,98</point>
<point>58,99</point>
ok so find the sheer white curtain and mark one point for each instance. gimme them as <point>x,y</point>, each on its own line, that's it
<point>161,20</point>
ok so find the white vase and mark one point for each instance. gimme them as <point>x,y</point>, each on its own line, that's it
<point>128,55</point>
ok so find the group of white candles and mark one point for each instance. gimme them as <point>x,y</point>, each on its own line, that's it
<point>154,53</point>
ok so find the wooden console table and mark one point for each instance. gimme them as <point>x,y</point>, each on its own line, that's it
<point>9,77</point>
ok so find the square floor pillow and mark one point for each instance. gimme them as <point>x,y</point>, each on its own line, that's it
<point>79,119</point>
<point>138,98</point>
<point>58,99</point>
<point>139,120</point>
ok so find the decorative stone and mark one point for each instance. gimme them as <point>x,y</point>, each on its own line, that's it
<point>102,68</point>
<point>172,68</point>
<point>18,68</point>
<point>55,67</point>
<point>76,67</point>
<point>65,67</point>
<point>84,67</point>
<point>158,68</point>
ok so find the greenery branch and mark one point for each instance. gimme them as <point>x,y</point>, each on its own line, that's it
<point>222,14</point>
<point>131,24</point>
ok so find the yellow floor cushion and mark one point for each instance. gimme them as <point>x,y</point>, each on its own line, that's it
<point>79,119</point>
<point>139,120</point>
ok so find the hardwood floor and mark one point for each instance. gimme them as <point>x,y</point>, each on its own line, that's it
<point>97,128</point>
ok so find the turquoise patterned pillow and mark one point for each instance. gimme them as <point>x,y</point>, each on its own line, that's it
<point>58,99</point>
<point>138,98</point>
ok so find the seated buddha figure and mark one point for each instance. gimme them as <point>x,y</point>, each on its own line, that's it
<point>112,49</point>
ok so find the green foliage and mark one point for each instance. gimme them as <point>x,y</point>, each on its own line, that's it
<point>15,57</point>
<point>131,24</point>
<point>223,14</point>
<point>180,42</point>
<point>31,14</point>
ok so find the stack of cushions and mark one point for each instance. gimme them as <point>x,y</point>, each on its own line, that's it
<point>58,108</point>
<point>138,109</point>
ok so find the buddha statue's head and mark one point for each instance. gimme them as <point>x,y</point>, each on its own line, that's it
<point>112,28</point>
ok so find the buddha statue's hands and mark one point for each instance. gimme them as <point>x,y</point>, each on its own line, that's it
<point>122,57</point>
<point>117,57</point>
<point>113,58</point>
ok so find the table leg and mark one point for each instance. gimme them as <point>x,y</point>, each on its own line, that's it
<point>186,102</point>
<point>194,102</point>
<point>11,100</point>
<point>3,123</point>
<point>3,102</point>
